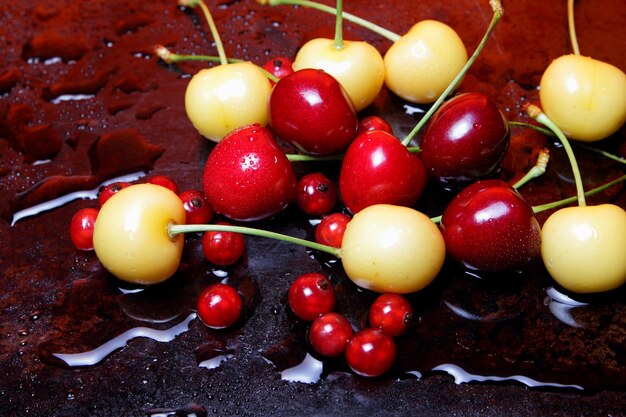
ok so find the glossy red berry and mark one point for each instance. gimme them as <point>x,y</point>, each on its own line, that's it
<point>329,334</point>
<point>391,313</point>
<point>108,190</point>
<point>316,194</point>
<point>81,228</point>
<point>331,229</point>
<point>164,181</point>
<point>311,295</point>
<point>373,123</point>
<point>370,352</point>
<point>196,206</point>
<point>279,66</point>
<point>219,306</point>
<point>223,248</point>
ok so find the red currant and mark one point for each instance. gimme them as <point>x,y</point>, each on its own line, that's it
<point>316,194</point>
<point>331,229</point>
<point>223,248</point>
<point>391,313</point>
<point>279,66</point>
<point>311,295</point>
<point>219,306</point>
<point>196,206</point>
<point>329,334</point>
<point>108,190</point>
<point>81,228</point>
<point>370,352</point>
<point>163,181</point>
<point>373,123</point>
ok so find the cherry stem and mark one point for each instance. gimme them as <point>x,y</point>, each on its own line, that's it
<point>296,157</point>
<point>385,33</point>
<point>176,229</point>
<point>537,170</point>
<point>572,27</point>
<point>545,131</point>
<point>338,25</point>
<point>498,12</point>
<point>569,200</point>
<point>536,113</point>
<point>603,153</point>
<point>214,32</point>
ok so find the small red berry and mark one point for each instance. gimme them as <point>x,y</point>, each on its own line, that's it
<point>108,190</point>
<point>219,306</point>
<point>329,334</point>
<point>391,313</point>
<point>331,229</point>
<point>370,352</point>
<point>316,194</point>
<point>81,228</point>
<point>196,206</point>
<point>311,295</point>
<point>279,66</point>
<point>373,123</point>
<point>163,181</point>
<point>223,248</point>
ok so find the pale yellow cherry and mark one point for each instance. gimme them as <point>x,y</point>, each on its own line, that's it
<point>226,97</point>
<point>358,67</point>
<point>390,248</point>
<point>131,238</point>
<point>586,98</point>
<point>584,248</point>
<point>423,62</point>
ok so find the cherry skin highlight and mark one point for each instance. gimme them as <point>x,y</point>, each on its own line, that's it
<point>311,295</point>
<point>330,230</point>
<point>316,194</point>
<point>329,334</point>
<point>370,352</point>
<point>223,248</point>
<point>196,206</point>
<point>163,181</point>
<point>81,228</point>
<point>391,313</point>
<point>219,306</point>
<point>108,190</point>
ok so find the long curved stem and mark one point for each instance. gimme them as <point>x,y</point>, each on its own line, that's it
<point>572,27</point>
<point>214,32</point>
<point>339,26</point>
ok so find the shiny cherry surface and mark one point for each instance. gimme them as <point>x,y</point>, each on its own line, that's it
<point>311,295</point>
<point>316,194</point>
<point>330,230</point>
<point>373,123</point>
<point>370,352</point>
<point>279,66</point>
<point>219,306</point>
<point>196,206</point>
<point>329,334</point>
<point>164,181</point>
<point>108,190</point>
<point>391,313</point>
<point>81,228</point>
<point>223,248</point>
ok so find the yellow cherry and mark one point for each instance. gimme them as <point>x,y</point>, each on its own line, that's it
<point>226,97</point>
<point>586,98</point>
<point>389,248</point>
<point>584,248</point>
<point>423,62</point>
<point>358,67</point>
<point>130,235</point>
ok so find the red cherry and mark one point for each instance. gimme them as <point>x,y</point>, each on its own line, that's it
<point>311,110</point>
<point>247,176</point>
<point>197,208</point>
<point>489,226</point>
<point>378,169</point>
<point>370,352</point>
<point>163,181</point>
<point>330,230</point>
<point>279,67</point>
<point>311,295</point>
<point>219,306</point>
<point>466,139</point>
<point>223,248</point>
<point>81,228</point>
<point>373,123</point>
<point>391,313</point>
<point>316,194</point>
<point>329,334</point>
<point>108,190</point>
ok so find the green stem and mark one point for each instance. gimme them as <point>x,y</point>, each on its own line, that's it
<point>537,170</point>
<point>498,12</point>
<point>393,37</point>
<point>214,32</point>
<point>536,113</point>
<point>338,25</point>
<point>543,130</point>
<point>569,200</point>
<point>176,229</point>
<point>572,27</point>
<point>603,153</point>
<point>296,157</point>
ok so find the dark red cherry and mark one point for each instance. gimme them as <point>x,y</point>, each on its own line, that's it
<point>391,313</point>
<point>279,67</point>
<point>164,181</point>
<point>223,248</point>
<point>81,228</point>
<point>108,190</point>
<point>489,226</point>
<point>219,306</point>
<point>196,206</point>
<point>373,123</point>
<point>329,334</point>
<point>370,352</point>
<point>247,176</point>
<point>311,110</point>
<point>316,194</point>
<point>311,295</point>
<point>330,230</point>
<point>466,139</point>
<point>378,169</point>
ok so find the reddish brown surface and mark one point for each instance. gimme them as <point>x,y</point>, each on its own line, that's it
<point>55,299</point>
